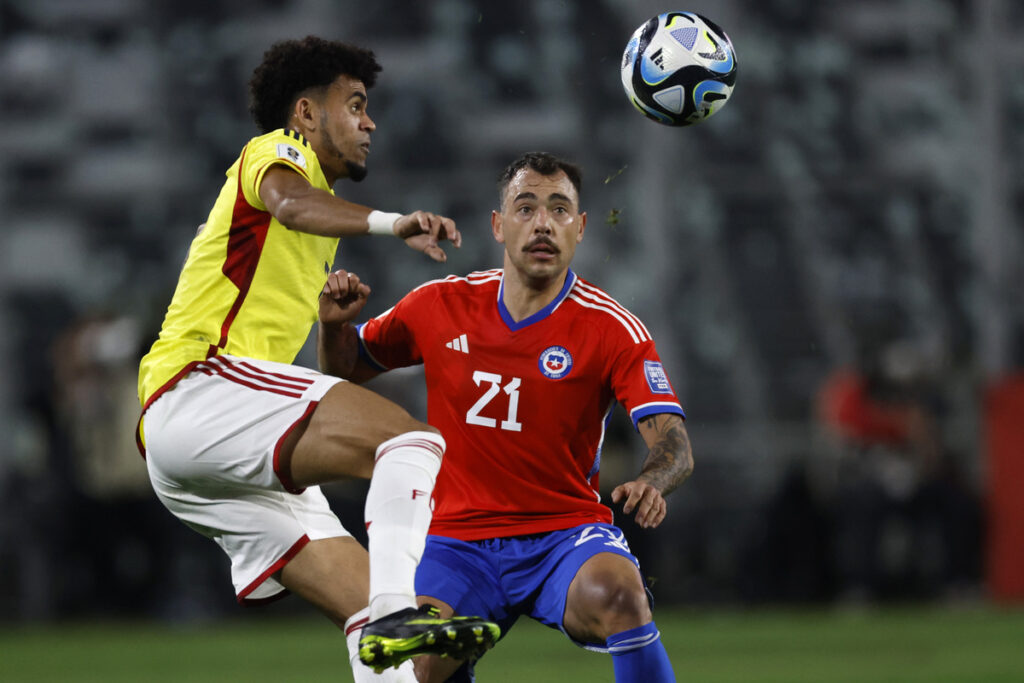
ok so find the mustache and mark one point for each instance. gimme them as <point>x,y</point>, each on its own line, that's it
<point>542,240</point>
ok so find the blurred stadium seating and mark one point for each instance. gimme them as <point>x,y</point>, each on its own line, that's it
<point>863,188</point>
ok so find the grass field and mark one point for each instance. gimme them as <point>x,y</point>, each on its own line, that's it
<point>761,646</point>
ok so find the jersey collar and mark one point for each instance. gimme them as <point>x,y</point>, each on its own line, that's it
<point>570,280</point>
<point>296,135</point>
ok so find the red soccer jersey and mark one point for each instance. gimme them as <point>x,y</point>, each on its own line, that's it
<point>522,405</point>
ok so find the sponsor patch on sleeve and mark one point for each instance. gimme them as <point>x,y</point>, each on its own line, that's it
<point>656,378</point>
<point>291,153</point>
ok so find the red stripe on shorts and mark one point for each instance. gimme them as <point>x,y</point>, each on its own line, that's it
<point>255,373</point>
<point>283,469</point>
<point>224,372</point>
<point>288,378</point>
<point>243,594</point>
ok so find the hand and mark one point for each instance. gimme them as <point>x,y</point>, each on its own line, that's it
<point>342,298</point>
<point>422,231</point>
<point>645,499</point>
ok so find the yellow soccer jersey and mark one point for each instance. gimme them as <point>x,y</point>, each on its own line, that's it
<point>249,286</point>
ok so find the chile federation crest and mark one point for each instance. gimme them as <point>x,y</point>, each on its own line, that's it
<point>555,362</point>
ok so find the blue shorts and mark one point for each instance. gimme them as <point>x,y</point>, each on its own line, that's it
<point>504,578</point>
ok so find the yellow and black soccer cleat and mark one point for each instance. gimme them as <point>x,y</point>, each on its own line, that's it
<point>408,633</point>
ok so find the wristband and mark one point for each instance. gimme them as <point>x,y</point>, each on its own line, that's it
<point>382,223</point>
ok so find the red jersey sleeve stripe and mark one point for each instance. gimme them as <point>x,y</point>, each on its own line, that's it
<point>475,278</point>
<point>610,311</point>
<point>597,294</point>
<point>594,294</point>
<point>482,276</point>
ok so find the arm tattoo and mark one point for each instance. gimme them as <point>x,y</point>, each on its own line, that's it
<point>670,459</point>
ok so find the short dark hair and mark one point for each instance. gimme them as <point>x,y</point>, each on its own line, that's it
<point>291,67</point>
<point>543,163</point>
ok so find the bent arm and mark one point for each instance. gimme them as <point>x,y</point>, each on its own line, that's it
<point>338,353</point>
<point>668,463</point>
<point>337,348</point>
<point>669,459</point>
<point>299,206</point>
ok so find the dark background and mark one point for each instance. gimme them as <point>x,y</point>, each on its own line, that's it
<point>855,207</point>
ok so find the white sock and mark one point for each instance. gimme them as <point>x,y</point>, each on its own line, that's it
<point>362,673</point>
<point>398,513</point>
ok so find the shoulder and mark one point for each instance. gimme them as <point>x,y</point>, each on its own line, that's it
<point>477,282</point>
<point>603,310</point>
<point>284,146</point>
<point>281,147</point>
<point>423,304</point>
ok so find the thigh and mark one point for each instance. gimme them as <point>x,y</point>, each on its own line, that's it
<point>340,437</point>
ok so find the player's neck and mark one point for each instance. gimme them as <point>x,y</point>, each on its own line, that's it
<point>523,296</point>
<point>323,154</point>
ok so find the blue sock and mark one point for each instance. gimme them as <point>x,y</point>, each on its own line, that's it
<point>638,655</point>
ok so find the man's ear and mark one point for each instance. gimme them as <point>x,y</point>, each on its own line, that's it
<point>583,226</point>
<point>499,235</point>
<point>306,114</point>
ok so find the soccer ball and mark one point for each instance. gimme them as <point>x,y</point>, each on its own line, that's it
<point>678,68</point>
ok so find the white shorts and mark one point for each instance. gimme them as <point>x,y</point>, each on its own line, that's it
<point>212,446</point>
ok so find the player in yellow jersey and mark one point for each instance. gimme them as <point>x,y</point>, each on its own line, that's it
<point>236,438</point>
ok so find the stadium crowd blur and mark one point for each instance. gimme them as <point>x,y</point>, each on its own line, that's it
<point>831,266</point>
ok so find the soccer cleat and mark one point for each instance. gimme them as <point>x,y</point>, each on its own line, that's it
<point>411,632</point>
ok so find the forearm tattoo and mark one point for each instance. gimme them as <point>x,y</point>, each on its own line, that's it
<point>670,459</point>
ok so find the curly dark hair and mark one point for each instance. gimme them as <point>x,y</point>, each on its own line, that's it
<point>291,67</point>
<point>543,163</point>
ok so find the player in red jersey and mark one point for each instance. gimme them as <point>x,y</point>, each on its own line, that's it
<point>524,366</point>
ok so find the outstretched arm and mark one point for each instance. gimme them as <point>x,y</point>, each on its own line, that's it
<point>669,462</point>
<point>341,300</point>
<point>302,207</point>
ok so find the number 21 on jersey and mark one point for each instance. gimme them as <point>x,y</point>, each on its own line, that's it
<point>493,384</point>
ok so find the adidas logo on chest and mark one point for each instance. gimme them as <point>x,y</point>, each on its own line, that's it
<point>460,344</point>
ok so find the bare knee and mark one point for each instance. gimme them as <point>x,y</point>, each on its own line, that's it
<point>606,597</point>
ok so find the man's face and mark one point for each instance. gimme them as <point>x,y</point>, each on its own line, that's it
<point>345,129</point>
<point>540,224</point>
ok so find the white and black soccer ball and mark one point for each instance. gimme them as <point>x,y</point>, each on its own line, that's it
<point>679,68</point>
